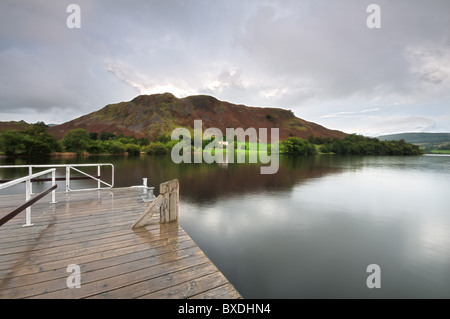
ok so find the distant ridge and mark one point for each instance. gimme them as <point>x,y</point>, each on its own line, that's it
<point>418,138</point>
<point>13,125</point>
<point>158,114</point>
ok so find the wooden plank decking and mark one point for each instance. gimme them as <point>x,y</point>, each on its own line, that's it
<point>93,230</point>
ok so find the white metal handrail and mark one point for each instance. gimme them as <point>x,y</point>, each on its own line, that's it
<point>68,168</point>
<point>27,180</point>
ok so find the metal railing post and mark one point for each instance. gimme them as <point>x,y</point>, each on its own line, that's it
<point>29,201</point>
<point>67,178</point>
<point>53,184</point>
<point>112,175</point>
<point>27,197</point>
<point>99,178</point>
<point>30,172</point>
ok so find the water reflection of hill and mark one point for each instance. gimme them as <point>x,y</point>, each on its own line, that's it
<point>207,182</point>
<point>241,178</point>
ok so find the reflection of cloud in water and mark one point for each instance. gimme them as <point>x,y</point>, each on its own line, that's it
<point>434,239</point>
<point>392,215</point>
<point>237,214</point>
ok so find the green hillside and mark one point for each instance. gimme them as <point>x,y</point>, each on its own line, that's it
<point>419,138</point>
<point>156,115</point>
<point>434,143</point>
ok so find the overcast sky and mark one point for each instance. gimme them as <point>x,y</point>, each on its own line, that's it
<point>317,58</point>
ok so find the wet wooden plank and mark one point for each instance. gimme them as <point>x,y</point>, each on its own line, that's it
<point>93,230</point>
<point>114,245</point>
<point>148,286</point>
<point>46,270</point>
<point>226,291</point>
<point>190,288</point>
<point>108,277</point>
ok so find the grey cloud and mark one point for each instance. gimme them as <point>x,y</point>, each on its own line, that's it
<point>329,42</point>
<point>315,57</point>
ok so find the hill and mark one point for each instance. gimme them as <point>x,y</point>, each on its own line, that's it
<point>419,138</point>
<point>13,125</point>
<point>159,114</point>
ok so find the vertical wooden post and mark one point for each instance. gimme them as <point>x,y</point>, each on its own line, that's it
<point>167,204</point>
<point>170,207</point>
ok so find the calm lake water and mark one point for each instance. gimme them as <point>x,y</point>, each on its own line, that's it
<point>311,230</point>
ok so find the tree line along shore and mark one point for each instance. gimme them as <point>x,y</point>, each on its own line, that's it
<point>36,141</point>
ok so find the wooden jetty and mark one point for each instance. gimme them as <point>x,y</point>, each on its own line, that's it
<point>93,231</point>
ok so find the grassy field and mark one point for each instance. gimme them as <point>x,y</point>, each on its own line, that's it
<point>440,151</point>
<point>248,148</point>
